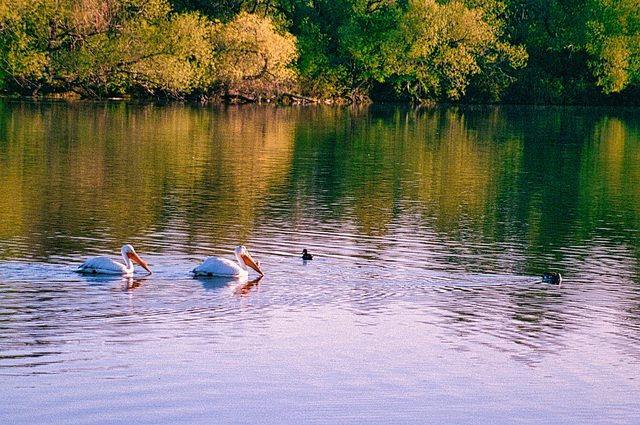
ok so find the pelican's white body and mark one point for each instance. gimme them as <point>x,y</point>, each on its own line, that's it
<point>105,265</point>
<point>214,266</point>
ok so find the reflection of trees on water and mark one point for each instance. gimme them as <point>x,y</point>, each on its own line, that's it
<point>78,174</point>
<point>477,182</point>
<point>512,190</point>
<point>477,176</point>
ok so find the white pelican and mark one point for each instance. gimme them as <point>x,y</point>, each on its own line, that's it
<point>104,265</point>
<point>214,266</point>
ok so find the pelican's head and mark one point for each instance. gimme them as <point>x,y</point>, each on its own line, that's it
<point>129,252</point>
<point>243,257</point>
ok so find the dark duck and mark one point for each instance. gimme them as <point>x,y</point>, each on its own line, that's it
<point>552,277</point>
<point>306,255</point>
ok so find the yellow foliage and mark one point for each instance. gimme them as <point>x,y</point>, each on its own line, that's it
<point>251,56</point>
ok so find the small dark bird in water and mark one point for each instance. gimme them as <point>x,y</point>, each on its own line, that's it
<point>306,255</point>
<point>552,277</point>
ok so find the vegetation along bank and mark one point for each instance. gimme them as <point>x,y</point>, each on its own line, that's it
<point>516,51</point>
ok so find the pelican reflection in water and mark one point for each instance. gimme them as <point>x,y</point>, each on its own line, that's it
<point>246,287</point>
<point>105,265</point>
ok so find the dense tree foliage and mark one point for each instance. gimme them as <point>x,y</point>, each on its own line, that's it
<point>107,47</point>
<point>97,47</point>
<point>250,57</point>
<point>441,58</point>
<point>544,51</point>
<point>579,51</point>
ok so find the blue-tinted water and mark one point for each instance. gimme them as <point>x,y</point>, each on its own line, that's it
<point>423,304</point>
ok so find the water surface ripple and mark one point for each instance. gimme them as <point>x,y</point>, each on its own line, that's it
<point>423,304</point>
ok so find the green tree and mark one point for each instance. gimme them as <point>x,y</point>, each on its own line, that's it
<point>323,64</point>
<point>578,49</point>
<point>438,48</point>
<point>106,47</point>
<point>613,39</point>
<point>365,41</point>
<point>100,47</point>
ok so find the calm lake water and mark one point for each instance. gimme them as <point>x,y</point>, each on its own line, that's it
<point>430,229</point>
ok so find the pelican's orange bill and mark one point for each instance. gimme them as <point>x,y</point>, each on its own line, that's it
<point>249,262</point>
<point>134,257</point>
